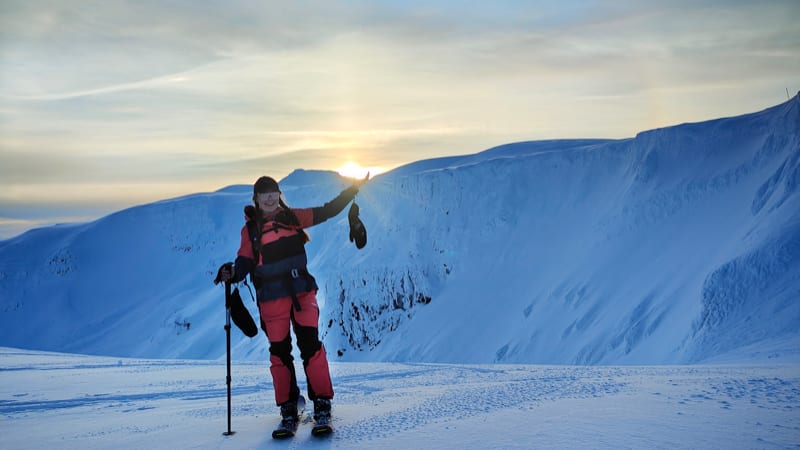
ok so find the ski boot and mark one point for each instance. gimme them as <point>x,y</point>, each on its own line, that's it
<point>290,418</point>
<point>322,417</point>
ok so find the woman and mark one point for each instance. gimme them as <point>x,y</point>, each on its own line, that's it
<point>273,251</point>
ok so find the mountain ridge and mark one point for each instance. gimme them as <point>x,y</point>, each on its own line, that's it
<point>654,249</point>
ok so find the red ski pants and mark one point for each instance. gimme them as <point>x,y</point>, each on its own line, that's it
<point>277,315</point>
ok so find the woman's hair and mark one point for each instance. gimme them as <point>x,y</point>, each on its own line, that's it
<point>288,214</point>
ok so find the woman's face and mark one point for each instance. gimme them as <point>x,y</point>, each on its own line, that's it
<point>268,201</point>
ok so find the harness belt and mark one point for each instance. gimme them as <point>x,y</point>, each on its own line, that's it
<point>287,280</point>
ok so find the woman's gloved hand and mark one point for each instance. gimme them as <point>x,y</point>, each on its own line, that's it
<point>358,183</point>
<point>225,273</point>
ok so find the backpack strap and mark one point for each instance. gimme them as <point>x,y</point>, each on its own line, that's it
<point>254,233</point>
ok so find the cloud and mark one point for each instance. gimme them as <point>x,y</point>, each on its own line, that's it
<point>229,49</point>
<point>151,83</point>
<point>328,149</point>
<point>175,97</point>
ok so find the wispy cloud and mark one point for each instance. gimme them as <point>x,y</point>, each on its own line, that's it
<point>162,82</point>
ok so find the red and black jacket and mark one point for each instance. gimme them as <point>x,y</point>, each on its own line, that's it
<point>273,247</point>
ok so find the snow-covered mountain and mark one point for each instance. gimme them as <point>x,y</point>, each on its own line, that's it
<point>679,245</point>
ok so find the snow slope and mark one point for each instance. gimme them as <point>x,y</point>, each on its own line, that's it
<point>71,401</point>
<point>677,246</point>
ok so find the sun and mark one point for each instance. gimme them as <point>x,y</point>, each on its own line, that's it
<point>353,170</point>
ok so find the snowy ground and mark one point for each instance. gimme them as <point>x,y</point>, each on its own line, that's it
<point>52,400</point>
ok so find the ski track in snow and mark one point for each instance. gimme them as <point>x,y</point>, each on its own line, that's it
<point>447,393</point>
<point>93,402</point>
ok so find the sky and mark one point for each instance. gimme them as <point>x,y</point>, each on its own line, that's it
<point>110,104</point>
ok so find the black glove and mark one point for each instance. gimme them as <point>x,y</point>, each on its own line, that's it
<point>241,316</point>
<point>358,232</point>
<point>225,273</point>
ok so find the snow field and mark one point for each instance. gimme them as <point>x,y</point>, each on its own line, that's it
<point>70,401</point>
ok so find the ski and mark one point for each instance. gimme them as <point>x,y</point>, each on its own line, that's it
<point>321,430</point>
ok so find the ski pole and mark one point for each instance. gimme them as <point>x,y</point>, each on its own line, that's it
<point>228,350</point>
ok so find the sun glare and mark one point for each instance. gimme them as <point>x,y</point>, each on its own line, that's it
<point>353,170</point>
